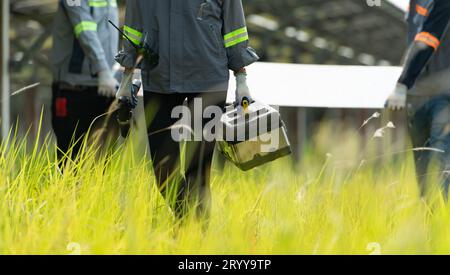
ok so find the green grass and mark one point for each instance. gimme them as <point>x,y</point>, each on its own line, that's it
<point>110,205</point>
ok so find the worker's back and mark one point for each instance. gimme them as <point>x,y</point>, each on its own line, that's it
<point>197,43</point>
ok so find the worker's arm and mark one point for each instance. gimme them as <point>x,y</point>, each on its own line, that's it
<point>85,30</point>
<point>133,29</point>
<point>427,41</point>
<point>236,42</point>
<point>235,35</point>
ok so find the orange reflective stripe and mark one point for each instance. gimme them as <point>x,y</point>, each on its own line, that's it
<point>428,39</point>
<point>421,10</point>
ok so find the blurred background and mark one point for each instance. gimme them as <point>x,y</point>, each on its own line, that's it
<point>340,32</point>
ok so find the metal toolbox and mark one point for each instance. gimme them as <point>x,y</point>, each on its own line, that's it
<point>252,137</point>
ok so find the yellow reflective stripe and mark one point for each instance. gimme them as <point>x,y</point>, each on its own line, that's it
<point>134,35</point>
<point>236,37</point>
<point>235,33</point>
<point>236,41</point>
<point>85,26</point>
<point>132,31</point>
<point>98,3</point>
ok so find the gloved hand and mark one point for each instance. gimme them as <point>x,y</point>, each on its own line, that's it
<point>127,101</point>
<point>243,96</point>
<point>397,100</point>
<point>107,84</point>
<point>125,85</point>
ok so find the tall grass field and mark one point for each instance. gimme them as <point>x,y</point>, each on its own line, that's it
<point>109,204</point>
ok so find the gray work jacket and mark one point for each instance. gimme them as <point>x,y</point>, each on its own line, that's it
<point>84,43</point>
<point>198,42</point>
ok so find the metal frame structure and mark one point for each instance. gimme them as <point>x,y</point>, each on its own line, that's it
<point>4,68</point>
<point>346,32</point>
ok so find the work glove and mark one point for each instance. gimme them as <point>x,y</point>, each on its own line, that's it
<point>397,100</point>
<point>125,85</point>
<point>107,84</point>
<point>243,96</point>
<point>127,101</point>
<point>128,90</point>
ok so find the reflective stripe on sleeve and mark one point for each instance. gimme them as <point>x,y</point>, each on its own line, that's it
<point>428,39</point>
<point>421,10</point>
<point>235,37</point>
<point>98,3</point>
<point>85,26</point>
<point>134,35</point>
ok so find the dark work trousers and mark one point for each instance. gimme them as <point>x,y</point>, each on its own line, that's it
<point>429,126</point>
<point>77,110</point>
<point>183,181</point>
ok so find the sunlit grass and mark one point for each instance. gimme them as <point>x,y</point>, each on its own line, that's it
<point>110,205</point>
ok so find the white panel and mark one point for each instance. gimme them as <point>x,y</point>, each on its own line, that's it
<point>402,4</point>
<point>320,85</point>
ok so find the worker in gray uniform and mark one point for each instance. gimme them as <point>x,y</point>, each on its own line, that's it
<point>424,88</point>
<point>198,42</point>
<point>84,87</point>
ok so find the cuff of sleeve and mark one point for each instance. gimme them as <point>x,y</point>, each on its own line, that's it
<point>126,59</point>
<point>242,58</point>
<point>101,65</point>
<point>407,82</point>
